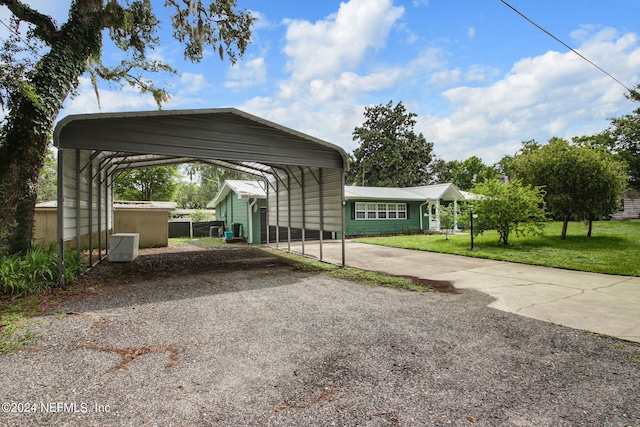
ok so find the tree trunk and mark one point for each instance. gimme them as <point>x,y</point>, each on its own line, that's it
<point>22,155</point>
<point>590,228</point>
<point>565,222</point>
<point>27,130</point>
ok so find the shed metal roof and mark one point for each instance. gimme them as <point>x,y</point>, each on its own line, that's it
<point>243,188</point>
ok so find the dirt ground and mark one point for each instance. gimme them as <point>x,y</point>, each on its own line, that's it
<point>235,336</point>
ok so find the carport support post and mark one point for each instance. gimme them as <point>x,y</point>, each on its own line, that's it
<point>303,207</point>
<point>343,204</point>
<point>90,206</point>
<point>60,217</point>
<point>321,201</point>
<point>78,209</point>
<point>288,213</point>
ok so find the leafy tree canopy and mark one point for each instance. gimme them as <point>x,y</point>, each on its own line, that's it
<point>48,184</point>
<point>471,171</point>
<point>509,207</point>
<point>41,62</point>
<point>580,181</point>
<point>157,184</point>
<point>625,133</point>
<point>205,181</point>
<point>390,154</point>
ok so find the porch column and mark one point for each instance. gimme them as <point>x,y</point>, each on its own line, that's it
<point>455,215</point>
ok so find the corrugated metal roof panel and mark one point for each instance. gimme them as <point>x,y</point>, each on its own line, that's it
<point>445,191</point>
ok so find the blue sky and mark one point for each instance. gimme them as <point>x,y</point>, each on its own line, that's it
<point>480,78</point>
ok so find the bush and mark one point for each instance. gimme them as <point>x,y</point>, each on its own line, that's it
<point>37,270</point>
<point>200,216</point>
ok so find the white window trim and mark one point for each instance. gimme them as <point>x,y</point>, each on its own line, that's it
<point>370,211</point>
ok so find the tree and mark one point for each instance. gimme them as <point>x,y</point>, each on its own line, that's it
<point>509,207</point>
<point>506,167</point>
<point>157,183</point>
<point>442,171</point>
<point>580,181</point>
<point>464,174</point>
<point>390,152</point>
<point>625,132</point>
<point>448,217</point>
<point>38,74</point>
<point>48,184</point>
<point>471,171</point>
<point>209,180</point>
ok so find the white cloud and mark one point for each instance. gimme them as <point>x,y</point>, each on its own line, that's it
<point>480,73</point>
<point>555,94</point>
<point>327,70</point>
<point>445,77</point>
<point>192,83</point>
<point>340,41</point>
<point>246,73</point>
<point>471,32</point>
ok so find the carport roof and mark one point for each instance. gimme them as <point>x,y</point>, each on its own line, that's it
<point>223,136</point>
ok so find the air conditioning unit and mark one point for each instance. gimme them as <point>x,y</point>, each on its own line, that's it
<point>123,247</point>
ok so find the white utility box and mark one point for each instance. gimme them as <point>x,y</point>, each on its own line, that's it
<point>123,247</point>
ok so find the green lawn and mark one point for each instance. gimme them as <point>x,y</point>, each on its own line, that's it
<point>613,248</point>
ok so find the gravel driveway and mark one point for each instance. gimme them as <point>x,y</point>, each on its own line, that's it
<point>237,337</point>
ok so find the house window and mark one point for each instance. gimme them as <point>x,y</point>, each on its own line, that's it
<point>382,211</point>
<point>366,210</point>
<point>393,210</point>
<point>371,211</point>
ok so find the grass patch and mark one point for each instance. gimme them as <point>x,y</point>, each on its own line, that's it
<point>373,278</point>
<point>612,249</point>
<point>13,332</point>
<point>202,242</point>
<point>370,278</point>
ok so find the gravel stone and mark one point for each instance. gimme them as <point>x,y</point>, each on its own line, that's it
<point>237,337</point>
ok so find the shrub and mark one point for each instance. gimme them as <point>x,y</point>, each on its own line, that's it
<point>199,216</point>
<point>37,270</point>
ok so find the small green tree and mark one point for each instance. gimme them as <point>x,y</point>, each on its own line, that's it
<point>507,208</point>
<point>447,218</point>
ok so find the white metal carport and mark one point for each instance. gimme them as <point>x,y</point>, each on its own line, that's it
<point>305,175</point>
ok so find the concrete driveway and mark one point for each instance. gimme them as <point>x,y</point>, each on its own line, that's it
<point>600,303</point>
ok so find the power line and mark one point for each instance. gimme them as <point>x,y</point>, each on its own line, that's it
<point>565,45</point>
<point>17,34</point>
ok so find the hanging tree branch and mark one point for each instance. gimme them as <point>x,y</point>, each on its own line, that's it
<point>45,27</point>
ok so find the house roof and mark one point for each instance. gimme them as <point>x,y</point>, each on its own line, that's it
<point>445,191</point>
<point>244,189</point>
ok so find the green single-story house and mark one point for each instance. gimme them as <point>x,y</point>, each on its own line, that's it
<point>386,210</point>
<point>241,202</point>
<point>368,210</point>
